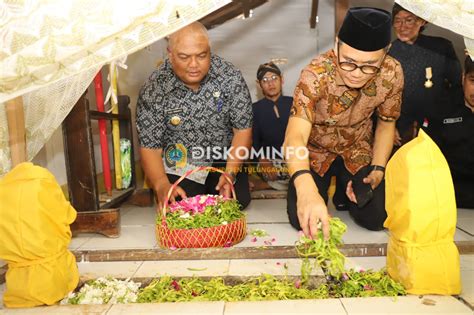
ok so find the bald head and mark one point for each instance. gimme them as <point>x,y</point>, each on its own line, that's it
<point>190,54</point>
<point>194,30</point>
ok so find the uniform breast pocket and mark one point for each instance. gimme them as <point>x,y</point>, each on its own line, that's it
<point>455,130</point>
<point>217,114</point>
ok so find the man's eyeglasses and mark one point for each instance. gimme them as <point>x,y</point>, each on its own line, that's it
<point>350,66</point>
<point>269,79</point>
<point>410,21</point>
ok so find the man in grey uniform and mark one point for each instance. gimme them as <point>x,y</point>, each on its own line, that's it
<point>195,110</point>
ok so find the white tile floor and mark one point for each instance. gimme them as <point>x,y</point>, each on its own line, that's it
<point>256,267</point>
<point>184,268</point>
<point>365,263</point>
<point>400,305</point>
<point>204,308</point>
<point>267,211</point>
<point>116,269</point>
<point>269,214</point>
<point>138,232</point>
<point>410,304</point>
<point>326,306</point>
<point>466,220</point>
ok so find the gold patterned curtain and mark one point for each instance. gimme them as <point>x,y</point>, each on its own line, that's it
<point>50,51</point>
<point>454,15</point>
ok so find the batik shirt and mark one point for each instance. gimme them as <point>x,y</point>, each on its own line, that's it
<point>341,116</point>
<point>193,127</point>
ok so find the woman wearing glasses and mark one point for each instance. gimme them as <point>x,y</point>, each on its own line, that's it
<point>432,75</point>
<point>334,100</point>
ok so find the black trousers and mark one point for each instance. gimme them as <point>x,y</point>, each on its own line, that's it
<point>463,188</point>
<point>192,188</point>
<point>371,216</point>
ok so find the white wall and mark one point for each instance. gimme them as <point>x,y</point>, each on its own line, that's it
<point>278,29</point>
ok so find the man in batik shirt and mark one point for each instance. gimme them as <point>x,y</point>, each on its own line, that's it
<point>195,110</point>
<point>334,101</point>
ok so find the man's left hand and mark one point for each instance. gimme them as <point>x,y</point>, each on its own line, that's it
<point>374,179</point>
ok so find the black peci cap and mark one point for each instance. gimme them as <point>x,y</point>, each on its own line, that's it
<point>366,29</point>
<point>267,67</point>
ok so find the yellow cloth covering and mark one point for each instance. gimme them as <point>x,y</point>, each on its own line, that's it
<point>421,212</point>
<point>34,238</point>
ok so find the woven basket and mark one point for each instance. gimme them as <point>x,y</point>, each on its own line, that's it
<point>216,236</point>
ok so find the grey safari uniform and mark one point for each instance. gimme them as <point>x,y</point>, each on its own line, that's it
<point>188,124</point>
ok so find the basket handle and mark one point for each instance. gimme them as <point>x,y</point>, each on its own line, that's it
<point>198,169</point>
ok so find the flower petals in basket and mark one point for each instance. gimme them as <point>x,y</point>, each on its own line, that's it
<point>201,221</point>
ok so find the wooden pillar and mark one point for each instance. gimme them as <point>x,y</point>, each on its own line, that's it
<point>16,130</point>
<point>341,8</point>
<point>314,13</point>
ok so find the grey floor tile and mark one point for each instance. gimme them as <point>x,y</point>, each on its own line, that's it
<point>365,263</point>
<point>139,216</point>
<point>78,240</point>
<point>2,290</point>
<point>267,211</point>
<point>130,237</point>
<point>276,267</point>
<point>465,213</point>
<point>184,268</point>
<point>60,309</point>
<point>289,307</point>
<point>178,308</point>
<point>116,269</point>
<point>462,236</point>
<point>413,305</point>
<point>282,234</point>
<point>467,281</point>
<point>467,262</point>
<point>359,235</point>
<point>466,224</point>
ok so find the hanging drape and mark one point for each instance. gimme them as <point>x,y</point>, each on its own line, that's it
<point>50,50</point>
<point>454,15</point>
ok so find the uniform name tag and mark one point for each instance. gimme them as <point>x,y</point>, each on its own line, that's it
<point>173,111</point>
<point>452,120</point>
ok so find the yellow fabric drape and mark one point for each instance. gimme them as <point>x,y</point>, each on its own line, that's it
<point>421,218</point>
<point>34,238</point>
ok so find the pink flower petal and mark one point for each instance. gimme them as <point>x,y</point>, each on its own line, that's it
<point>228,244</point>
<point>173,247</point>
<point>176,285</point>
<point>273,240</point>
<point>253,240</point>
<point>298,284</point>
<point>278,263</point>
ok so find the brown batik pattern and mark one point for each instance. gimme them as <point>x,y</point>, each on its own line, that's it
<point>340,116</point>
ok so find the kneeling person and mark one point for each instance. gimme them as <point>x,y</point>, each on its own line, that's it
<point>189,113</point>
<point>334,100</point>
